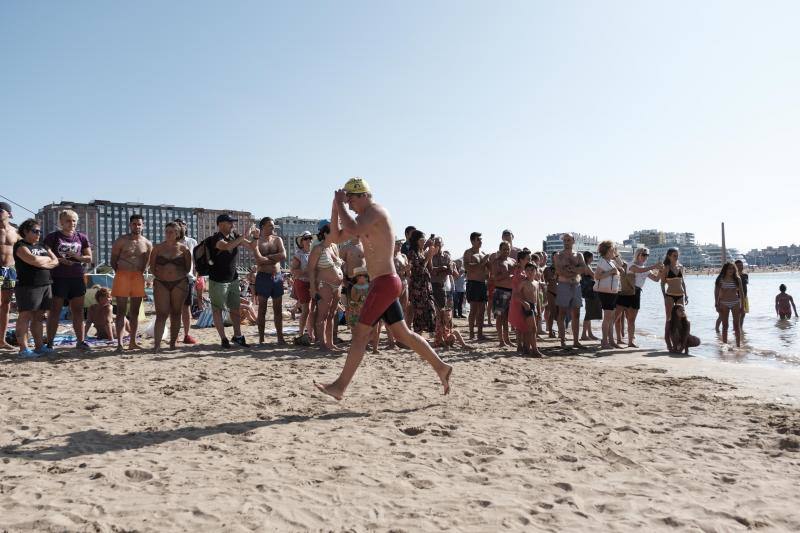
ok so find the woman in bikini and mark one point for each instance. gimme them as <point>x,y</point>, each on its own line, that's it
<point>170,264</point>
<point>673,288</point>
<point>728,298</point>
<point>325,277</point>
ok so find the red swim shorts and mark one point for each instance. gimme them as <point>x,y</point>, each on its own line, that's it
<point>382,301</point>
<point>302,291</point>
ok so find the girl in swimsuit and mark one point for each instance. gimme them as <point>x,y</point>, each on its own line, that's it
<point>170,264</point>
<point>728,296</point>
<point>446,335</point>
<point>325,275</point>
<point>673,288</point>
<point>680,336</point>
<point>302,287</point>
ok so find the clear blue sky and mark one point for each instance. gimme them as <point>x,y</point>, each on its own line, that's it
<point>598,117</point>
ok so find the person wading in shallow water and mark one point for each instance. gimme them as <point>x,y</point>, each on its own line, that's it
<point>374,229</point>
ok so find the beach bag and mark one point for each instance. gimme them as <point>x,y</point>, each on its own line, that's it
<point>628,284</point>
<point>202,258</point>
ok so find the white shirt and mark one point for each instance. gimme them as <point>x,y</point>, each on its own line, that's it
<point>641,277</point>
<point>191,244</point>
<point>608,284</point>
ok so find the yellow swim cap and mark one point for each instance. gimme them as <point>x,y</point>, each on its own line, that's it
<point>356,186</point>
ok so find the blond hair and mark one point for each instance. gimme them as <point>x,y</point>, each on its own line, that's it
<point>67,213</point>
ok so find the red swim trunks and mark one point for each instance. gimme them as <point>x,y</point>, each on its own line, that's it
<point>302,290</point>
<point>382,301</point>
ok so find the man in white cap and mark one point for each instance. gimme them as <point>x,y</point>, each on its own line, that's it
<point>374,229</point>
<point>8,275</point>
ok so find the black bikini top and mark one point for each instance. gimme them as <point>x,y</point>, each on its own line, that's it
<point>671,274</point>
<point>177,261</point>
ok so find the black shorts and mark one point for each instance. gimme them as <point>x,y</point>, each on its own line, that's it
<point>33,298</point>
<point>68,288</point>
<point>608,300</point>
<point>476,291</point>
<point>190,292</point>
<point>625,300</point>
<point>439,296</point>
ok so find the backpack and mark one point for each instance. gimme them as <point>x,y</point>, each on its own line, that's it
<point>202,257</point>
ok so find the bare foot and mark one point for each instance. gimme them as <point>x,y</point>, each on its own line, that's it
<point>551,334</point>
<point>537,353</point>
<point>133,346</point>
<point>576,344</point>
<point>617,346</point>
<point>584,337</point>
<point>593,338</point>
<point>330,391</point>
<point>5,346</point>
<point>445,377</point>
<point>482,338</point>
<point>632,345</point>
<point>119,348</point>
<point>281,341</point>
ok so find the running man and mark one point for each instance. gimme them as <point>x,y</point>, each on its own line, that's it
<point>374,229</point>
<point>269,252</point>
<point>130,255</point>
<point>569,266</point>
<point>8,274</point>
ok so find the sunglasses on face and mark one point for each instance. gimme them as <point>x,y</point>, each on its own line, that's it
<point>355,194</point>
<point>36,231</point>
<point>306,239</point>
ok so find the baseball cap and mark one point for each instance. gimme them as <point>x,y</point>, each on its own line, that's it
<point>356,186</point>
<point>7,208</point>
<point>301,237</point>
<point>322,223</point>
<point>225,217</point>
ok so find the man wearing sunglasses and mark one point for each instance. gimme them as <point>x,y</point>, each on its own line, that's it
<point>374,229</point>
<point>8,275</point>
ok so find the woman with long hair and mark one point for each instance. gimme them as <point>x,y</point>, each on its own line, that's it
<point>729,299</point>
<point>325,279</point>
<point>673,288</point>
<point>680,337</point>
<point>420,289</point>
<point>170,263</point>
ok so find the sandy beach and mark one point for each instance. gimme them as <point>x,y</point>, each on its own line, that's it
<point>201,439</point>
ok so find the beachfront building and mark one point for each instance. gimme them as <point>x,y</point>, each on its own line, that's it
<point>207,226</point>
<point>774,256</point>
<point>290,227</point>
<point>103,221</point>
<point>659,242</point>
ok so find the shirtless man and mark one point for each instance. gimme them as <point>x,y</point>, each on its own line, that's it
<point>476,265</point>
<point>374,229</point>
<point>130,255</point>
<point>8,275</point>
<point>269,251</point>
<point>569,266</point>
<point>502,267</point>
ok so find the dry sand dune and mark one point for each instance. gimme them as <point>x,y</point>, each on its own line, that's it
<point>201,439</point>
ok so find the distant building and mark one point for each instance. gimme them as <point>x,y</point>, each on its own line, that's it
<point>769,256</point>
<point>289,227</point>
<point>103,221</point>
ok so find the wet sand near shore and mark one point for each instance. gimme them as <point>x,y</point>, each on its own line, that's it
<point>239,440</point>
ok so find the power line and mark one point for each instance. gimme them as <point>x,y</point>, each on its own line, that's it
<point>18,205</point>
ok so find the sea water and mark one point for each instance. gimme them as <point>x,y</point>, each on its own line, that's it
<point>766,339</point>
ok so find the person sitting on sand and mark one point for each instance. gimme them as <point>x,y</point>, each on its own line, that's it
<point>680,337</point>
<point>446,335</point>
<point>784,304</point>
<point>102,316</point>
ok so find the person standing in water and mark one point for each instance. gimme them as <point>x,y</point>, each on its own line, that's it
<point>373,228</point>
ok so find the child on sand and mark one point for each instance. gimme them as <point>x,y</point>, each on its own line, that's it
<point>529,298</point>
<point>784,304</point>
<point>681,338</point>
<point>358,295</point>
<point>102,316</point>
<point>445,335</point>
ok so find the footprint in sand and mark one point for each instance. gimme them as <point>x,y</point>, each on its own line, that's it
<point>422,483</point>
<point>412,431</point>
<point>138,475</point>
<point>564,486</point>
